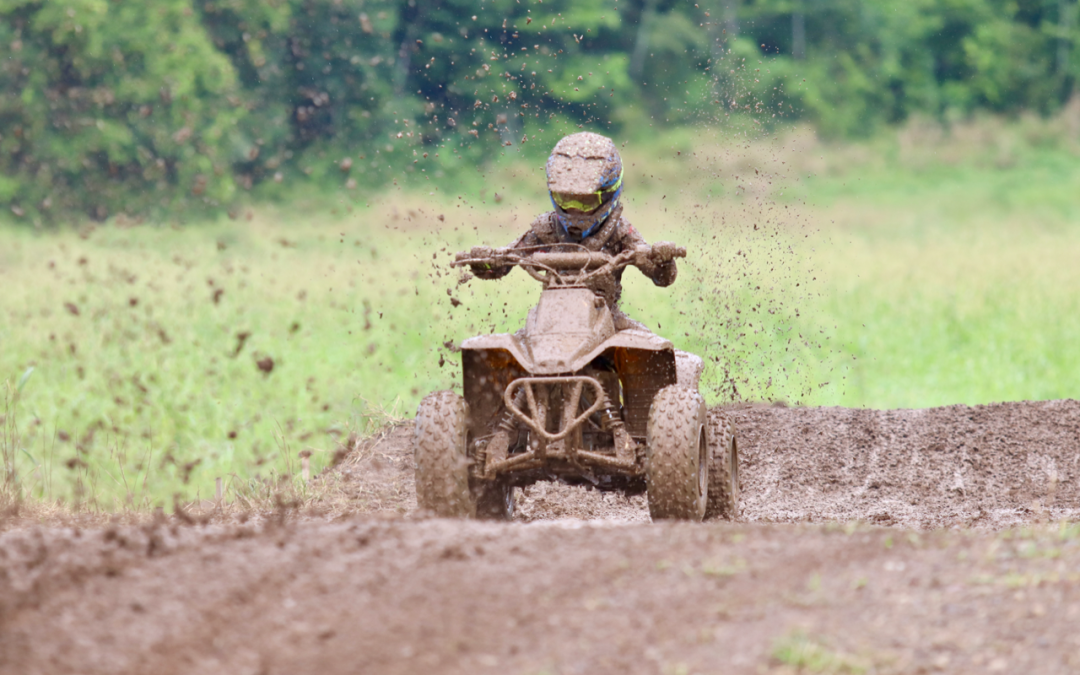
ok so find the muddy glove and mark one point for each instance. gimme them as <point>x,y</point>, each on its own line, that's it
<point>664,252</point>
<point>482,269</point>
<point>481,252</point>
<point>658,261</point>
<point>643,255</point>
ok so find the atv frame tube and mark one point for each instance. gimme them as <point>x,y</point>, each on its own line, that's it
<point>535,420</point>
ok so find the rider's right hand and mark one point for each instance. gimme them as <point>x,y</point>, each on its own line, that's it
<point>481,252</point>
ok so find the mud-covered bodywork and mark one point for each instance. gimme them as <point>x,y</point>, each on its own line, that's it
<point>569,331</point>
<point>566,331</point>
<point>641,362</point>
<point>568,395</point>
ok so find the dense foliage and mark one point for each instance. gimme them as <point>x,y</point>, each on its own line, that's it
<point>119,106</point>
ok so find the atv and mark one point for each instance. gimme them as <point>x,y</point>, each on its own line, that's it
<point>570,398</point>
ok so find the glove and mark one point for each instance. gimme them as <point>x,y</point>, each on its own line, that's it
<point>664,252</point>
<point>483,270</point>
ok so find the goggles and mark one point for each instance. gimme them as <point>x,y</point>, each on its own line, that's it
<point>586,203</point>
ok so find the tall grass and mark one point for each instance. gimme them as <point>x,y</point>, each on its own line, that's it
<point>9,435</point>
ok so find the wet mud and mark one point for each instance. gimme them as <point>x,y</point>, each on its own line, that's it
<point>988,466</point>
<point>940,540</point>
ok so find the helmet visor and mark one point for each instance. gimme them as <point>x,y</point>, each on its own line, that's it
<point>586,203</point>
<point>583,203</point>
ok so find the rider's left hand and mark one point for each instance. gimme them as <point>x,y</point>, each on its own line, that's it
<point>642,254</point>
<point>663,252</point>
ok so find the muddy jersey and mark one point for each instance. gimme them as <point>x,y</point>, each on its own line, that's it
<point>614,237</point>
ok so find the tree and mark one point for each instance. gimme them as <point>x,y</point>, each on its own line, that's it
<point>110,106</point>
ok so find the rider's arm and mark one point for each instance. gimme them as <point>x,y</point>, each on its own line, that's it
<point>488,271</point>
<point>662,272</point>
<point>541,232</point>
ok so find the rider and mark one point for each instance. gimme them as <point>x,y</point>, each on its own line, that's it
<point>584,178</point>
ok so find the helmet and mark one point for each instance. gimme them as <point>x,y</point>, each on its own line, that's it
<point>584,177</point>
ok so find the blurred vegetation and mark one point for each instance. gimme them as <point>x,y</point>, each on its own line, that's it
<point>128,109</point>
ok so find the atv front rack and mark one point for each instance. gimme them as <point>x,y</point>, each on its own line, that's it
<point>537,417</point>
<point>565,442</point>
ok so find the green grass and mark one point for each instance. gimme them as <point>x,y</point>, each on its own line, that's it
<point>896,273</point>
<point>977,316</point>
<point>807,655</point>
<point>137,369</point>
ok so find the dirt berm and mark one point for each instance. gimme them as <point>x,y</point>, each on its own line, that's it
<point>384,590</point>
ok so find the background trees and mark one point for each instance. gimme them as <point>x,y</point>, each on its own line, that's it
<point>110,107</point>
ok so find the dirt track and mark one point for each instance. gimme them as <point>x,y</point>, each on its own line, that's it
<point>958,466</point>
<point>385,591</point>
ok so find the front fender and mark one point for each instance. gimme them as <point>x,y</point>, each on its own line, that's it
<point>625,339</point>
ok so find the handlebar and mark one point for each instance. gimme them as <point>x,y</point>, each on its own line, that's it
<point>570,260</point>
<point>562,266</point>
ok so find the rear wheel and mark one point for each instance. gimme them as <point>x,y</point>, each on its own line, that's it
<point>442,462</point>
<point>677,471</point>
<point>723,501</point>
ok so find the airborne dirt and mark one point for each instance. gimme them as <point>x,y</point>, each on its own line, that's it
<point>870,541</point>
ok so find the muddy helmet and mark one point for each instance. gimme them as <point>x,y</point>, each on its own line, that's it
<point>584,177</point>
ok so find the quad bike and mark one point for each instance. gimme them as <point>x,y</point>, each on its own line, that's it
<point>570,398</point>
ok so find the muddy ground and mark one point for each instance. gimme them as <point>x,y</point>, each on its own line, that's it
<point>940,540</point>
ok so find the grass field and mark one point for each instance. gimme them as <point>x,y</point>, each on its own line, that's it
<point>913,270</point>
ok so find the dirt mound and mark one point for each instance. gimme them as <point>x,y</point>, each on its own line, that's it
<point>986,466</point>
<point>958,466</point>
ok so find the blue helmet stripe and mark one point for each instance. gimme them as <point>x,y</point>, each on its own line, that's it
<point>600,221</point>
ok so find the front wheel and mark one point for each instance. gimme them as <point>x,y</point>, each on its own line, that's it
<point>442,461</point>
<point>677,472</point>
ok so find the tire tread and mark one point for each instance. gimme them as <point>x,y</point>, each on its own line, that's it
<point>720,434</point>
<point>442,466</point>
